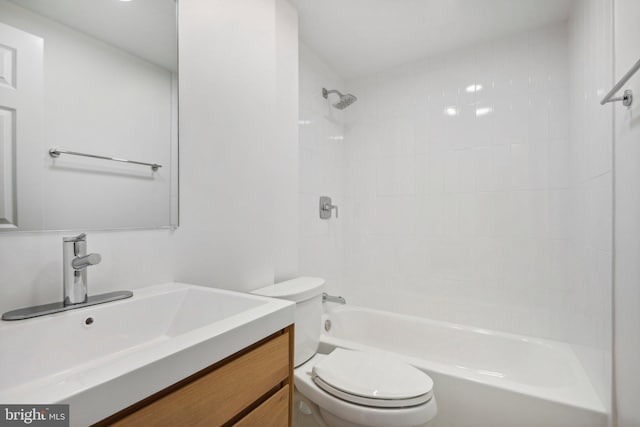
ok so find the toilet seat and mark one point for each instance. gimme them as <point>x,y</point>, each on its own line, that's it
<point>372,380</point>
<point>331,406</point>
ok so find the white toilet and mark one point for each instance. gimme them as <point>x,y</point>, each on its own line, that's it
<point>348,388</point>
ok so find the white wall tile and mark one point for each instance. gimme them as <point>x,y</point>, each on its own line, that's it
<point>483,208</point>
<point>474,188</point>
<point>589,189</point>
<point>322,165</point>
<point>559,163</point>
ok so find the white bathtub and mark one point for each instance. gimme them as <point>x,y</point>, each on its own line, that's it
<point>482,377</point>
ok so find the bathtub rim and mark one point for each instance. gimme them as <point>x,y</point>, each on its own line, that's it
<point>585,397</point>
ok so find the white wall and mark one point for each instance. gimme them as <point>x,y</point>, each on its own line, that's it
<point>101,100</point>
<point>286,184</point>
<point>322,171</point>
<point>31,264</point>
<point>235,153</point>
<point>627,221</point>
<point>230,160</point>
<point>587,294</point>
<point>454,214</point>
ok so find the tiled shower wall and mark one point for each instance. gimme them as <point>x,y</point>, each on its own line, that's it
<point>627,221</point>
<point>456,180</point>
<point>322,170</point>
<point>471,189</point>
<point>587,295</point>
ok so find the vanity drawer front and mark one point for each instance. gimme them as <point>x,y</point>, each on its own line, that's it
<point>273,412</point>
<point>217,397</point>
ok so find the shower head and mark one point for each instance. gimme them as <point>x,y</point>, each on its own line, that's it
<point>343,102</point>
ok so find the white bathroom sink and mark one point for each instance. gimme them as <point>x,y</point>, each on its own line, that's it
<point>103,358</point>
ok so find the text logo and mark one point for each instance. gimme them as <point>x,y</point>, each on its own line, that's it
<point>34,415</point>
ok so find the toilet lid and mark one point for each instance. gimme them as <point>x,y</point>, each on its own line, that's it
<point>372,379</point>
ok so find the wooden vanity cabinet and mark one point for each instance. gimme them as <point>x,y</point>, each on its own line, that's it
<point>253,387</point>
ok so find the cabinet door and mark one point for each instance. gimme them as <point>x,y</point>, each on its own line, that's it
<point>273,412</point>
<point>215,398</point>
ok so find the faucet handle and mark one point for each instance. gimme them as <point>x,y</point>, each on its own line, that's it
<point>79,238</point>
<point>85,261</point>
<point>326,207</point>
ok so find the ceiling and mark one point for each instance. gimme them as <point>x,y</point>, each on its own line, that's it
<point>145,28</point>
<point>358,37</point>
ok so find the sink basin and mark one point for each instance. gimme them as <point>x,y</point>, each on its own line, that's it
<point>103,358</point>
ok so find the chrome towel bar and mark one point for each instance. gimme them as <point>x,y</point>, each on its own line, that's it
<point>627,97</point>
<point>55,152</point>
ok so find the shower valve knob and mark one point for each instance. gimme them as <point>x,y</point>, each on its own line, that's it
<point>326,207</point>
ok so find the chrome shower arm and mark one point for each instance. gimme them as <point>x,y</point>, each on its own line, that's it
<point>326,93</point>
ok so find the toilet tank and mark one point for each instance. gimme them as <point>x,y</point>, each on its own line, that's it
<point>306,292</point>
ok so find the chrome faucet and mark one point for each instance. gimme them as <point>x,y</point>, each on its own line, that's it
<point>75,261</point>
<point>74,283</point>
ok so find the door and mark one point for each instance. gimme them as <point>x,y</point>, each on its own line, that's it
<point>21,126</point>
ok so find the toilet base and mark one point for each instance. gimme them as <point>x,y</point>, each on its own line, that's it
<point>332,420</point>
<point>305,412</point>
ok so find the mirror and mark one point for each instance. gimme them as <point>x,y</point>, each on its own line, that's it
<point>88,114</point>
